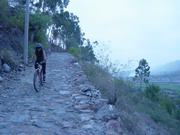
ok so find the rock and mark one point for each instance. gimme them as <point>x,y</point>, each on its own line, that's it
<point>112,132</point>
<point>107,112</point>
<point>41,124</point>
<point>70,132</point>
<point>21,68</point>
<point>86,87</point>
<point>65,93</point>
<point>1,62</point>
<point>80,97</point>
<point>1,79</point>
<point>6,68</point>
<point>96,94</point>
<point>99,104</point>
<point>78,65</point>
<point>89,91</point>
<point>84,107</point>
<point>113,124</point>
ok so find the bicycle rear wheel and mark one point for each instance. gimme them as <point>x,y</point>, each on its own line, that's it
<point>41,77</point>
<point>37,81</point>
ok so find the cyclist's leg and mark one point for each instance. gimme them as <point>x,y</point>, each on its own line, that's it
<point>44,71</point>
<point>36,65</point>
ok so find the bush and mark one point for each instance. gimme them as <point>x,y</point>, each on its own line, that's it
<point>4,9</point>
<point>38,25</point>
<point>73,51</point>
<point>167,104</point>
<point>111,88</point>
<point>11,17</point>
<point>152,92</point>
<point>178,114</point>
<point>31,48</point>
<point>17,19</point>
<point>40,37</point>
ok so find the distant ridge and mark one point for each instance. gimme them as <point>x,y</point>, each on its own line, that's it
<point>169,68</point>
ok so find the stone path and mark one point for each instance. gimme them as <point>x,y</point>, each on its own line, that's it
<point>67,104</point>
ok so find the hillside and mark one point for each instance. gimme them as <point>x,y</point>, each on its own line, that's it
<point>169,68</point>
<point>79,96</point>
<point>11,45</point>
<point>67,105</point>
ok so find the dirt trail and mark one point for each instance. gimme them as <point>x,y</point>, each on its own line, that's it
<point>59,108</point>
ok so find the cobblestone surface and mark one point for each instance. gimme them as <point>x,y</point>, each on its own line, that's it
<point>58,109</point>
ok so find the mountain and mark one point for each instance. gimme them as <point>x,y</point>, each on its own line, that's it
<point>169,68</point>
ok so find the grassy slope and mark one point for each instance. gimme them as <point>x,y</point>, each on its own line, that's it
<point>122,94</point>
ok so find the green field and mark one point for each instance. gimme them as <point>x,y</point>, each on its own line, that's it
<point>168,86</point>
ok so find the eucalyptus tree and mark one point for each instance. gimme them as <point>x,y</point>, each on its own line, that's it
<point>67,28</point>
<point>52,6</point>
<point>142,72</point>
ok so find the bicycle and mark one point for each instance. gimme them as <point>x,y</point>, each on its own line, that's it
<point>38,78</point>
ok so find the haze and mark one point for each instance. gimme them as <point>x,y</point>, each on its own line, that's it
<point>133,29</point>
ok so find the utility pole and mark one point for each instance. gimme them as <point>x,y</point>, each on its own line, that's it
<point>26,30</point>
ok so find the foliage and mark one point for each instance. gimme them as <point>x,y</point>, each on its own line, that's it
<point>178,114</point>
<point>87,52</point>
<point>4,10</point>
<point>167,104</point>
<point>30,48</point>
<point>67,28</point>
<point>46,16</point>
<point>11,17</point>
<point>157,113</point>
<point>73,51</point>
<point>100,77</point>
<point>39,20</point>
<point>52,5</point>
<point>152,92</point>
<point>17,19</point>
<point>142,71</point>
<point>38,25</point>
<point>120,93</point>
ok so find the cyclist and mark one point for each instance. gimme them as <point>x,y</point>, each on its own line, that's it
<point>40,58</point>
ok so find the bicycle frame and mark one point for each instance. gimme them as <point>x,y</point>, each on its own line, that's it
<point>38,78</point>
<point>39,71</point>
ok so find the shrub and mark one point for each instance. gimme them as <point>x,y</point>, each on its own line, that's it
<point>4,8</point>
<point>17,19</point>
<point>40,37</point>
<point>73,51</point>
<point>167,104</point>
<point>31,47</point>
<point>178,114</point>
<point>111,88</point>
<point>152,92</point>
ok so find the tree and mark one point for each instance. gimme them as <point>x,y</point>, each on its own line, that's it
<point>39,23</point>
<point>52,6</point>
<point>142,71</point>
<point>87,52</point>
<point>66,28</point>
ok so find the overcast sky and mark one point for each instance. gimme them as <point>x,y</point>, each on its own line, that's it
<point>133,29</point>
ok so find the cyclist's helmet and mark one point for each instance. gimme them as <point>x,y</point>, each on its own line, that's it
<point>38,45</point>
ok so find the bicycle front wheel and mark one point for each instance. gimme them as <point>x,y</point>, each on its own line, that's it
<point>37,81</point>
